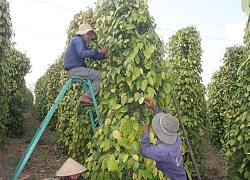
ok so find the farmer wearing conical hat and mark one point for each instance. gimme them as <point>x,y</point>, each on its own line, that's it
<point>71,170</point>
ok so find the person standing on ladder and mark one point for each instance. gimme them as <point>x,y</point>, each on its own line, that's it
<point>76,53</point>
<point>167,153</point>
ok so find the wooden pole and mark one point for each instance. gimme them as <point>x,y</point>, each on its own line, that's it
<point>186,137</point>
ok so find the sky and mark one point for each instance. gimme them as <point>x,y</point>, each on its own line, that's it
<point>40,28</point>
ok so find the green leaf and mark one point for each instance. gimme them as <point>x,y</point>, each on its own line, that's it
<point>135,147</point>
<point>144,84</point>
<point>129,81</point>
<point>151,92</point>
<point>106,145</point>
<point>112,103</point>
<point>120,78</point>
<point>167,88</point>
<point>248,88</point>
<point>136,126</point>
<point>134,53</point>
<point>125,41</point>
<point>137,59</point>
<point>124,99</point>
<point>124,157</point>
<point>126,143</point>
<point>112,164</point>
<point>151,49</point>
<point>141,100</point>
<point>136,73</point>
<point>136,96</point>
<point>151,80</point>
<point>116,134</point>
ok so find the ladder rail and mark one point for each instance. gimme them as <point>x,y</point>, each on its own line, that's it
<point>86,83</point>
<point>95,103</point>
<point>16,173</point>
<point>89,108</point>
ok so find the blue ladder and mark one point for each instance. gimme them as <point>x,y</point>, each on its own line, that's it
<point>85,83</point>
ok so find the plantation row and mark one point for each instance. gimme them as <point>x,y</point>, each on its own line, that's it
<point>14,95</point>
<point>136,68</point>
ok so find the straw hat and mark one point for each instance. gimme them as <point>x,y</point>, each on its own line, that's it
<point>165,127</point>
<point>84,28</point>
<point>70,167</point>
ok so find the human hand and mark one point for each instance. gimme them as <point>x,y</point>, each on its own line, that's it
<point>146,128</point>
<point>149,102</point>
<point>103,50</point>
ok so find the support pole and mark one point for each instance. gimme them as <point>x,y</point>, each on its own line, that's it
<point>186,137</point>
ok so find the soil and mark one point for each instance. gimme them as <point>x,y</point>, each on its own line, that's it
<point>46,160</point>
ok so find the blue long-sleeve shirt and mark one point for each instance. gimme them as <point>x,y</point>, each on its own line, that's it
<point>168,157</point>
<point>76,53</point>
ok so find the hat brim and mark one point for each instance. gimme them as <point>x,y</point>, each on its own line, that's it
<point>70,167</point>
<point>168,139</point>
<point>82,32</point>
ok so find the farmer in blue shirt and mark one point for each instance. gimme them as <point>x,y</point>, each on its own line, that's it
<point>167,153</point>
<point>76,53</point>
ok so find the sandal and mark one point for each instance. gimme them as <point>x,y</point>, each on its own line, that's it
<point>86,104</point>
<point>86,100</point>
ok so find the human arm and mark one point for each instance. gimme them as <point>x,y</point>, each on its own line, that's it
<point>83,51</point>
<point>101,54</point>
<point>148,150</point>
<point>149,102</point>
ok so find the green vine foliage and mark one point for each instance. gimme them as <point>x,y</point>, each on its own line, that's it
<point>5,43</point>
<point>243,136</point>
<point>221,95</point>
<point>47,89</point>
<point>237,148</point>
<point>53,87</point>
<point>215,103</point>
<point>231,105</point>
<point>184,52</point>
<point>20,66</point>
<point>28,101</point>
<point>134,70</point>
<point>40,95</point>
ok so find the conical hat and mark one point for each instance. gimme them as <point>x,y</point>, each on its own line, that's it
<point>70,167</point>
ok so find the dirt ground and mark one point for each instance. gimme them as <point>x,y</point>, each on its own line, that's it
<point>46,160</point>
